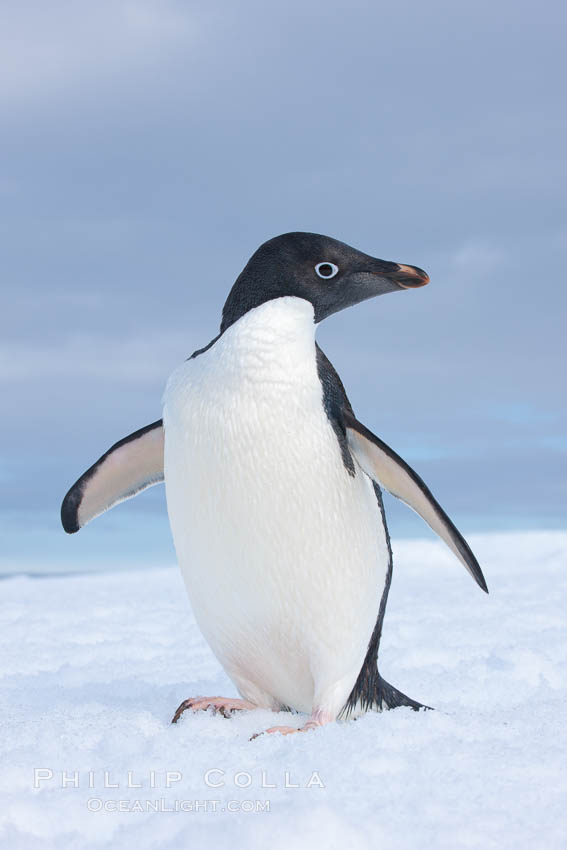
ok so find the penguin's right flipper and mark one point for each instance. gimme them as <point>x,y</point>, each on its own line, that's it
<point>129,466</point>
<point>383,465</point>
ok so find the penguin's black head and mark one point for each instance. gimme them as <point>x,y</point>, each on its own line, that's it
<point>328,273</point>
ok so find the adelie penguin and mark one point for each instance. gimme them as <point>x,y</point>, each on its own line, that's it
<point>273,490</point>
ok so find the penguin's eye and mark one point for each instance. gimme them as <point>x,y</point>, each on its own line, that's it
<point>326,270</point>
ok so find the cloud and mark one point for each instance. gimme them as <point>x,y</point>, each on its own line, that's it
<point>57,47</point>
<point>140,359</point>
<point>151,145</point>
<point>475,257</point>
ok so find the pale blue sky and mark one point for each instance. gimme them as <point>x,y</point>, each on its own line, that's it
<point>149,147</point>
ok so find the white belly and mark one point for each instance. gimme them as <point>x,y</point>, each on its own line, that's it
<point>282,551</point>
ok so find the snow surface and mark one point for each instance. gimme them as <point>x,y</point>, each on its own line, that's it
<point>95,665</point>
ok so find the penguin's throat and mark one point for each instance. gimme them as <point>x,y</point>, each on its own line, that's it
<point>278,337</point>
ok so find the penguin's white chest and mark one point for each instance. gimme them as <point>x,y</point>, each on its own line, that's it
<point>283,552</point>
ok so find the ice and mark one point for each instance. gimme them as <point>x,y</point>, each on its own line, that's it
<point>95,665</point>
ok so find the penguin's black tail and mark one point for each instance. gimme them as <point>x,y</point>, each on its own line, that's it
<point>389,697</point>
<point>373,693</point>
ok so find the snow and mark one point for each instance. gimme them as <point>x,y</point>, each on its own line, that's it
<point>95,665</point>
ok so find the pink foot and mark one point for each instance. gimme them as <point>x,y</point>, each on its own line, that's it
<point>316,719</point>
<point>285,730</point>
<point>222,705</point>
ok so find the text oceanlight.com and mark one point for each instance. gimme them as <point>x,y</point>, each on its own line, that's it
<point>216,780</point>
<point>96,804</point>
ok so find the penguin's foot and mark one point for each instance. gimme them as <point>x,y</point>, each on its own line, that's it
<point>220,705</point>
<point>318,718</point>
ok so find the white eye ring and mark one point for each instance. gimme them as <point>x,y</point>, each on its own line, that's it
<point>322,268</point>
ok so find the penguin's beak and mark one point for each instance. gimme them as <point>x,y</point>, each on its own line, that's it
<point>391,277</point>
<point>409,277</point>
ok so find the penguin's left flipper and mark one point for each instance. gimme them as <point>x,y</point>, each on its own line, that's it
<point>129,466</point>
<point>387,468</point>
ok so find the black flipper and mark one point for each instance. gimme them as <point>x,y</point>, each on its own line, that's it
<point>384,466</point>
<point>127,468</point>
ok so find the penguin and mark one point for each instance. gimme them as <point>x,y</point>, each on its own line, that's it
<point>274,490</point>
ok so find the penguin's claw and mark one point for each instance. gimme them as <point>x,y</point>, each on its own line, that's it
<point>220,705</point>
